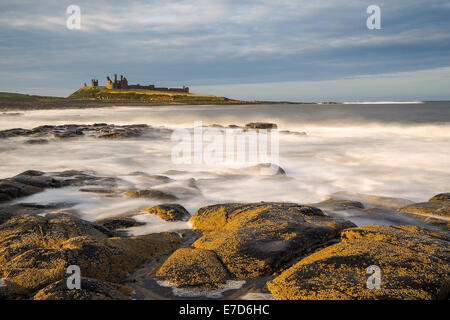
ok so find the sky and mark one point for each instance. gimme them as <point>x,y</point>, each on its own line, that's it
<point>297,50</point>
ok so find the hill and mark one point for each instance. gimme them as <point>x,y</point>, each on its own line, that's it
<point>10,96</point>
<point>141,95</point>
<point>96,97</point>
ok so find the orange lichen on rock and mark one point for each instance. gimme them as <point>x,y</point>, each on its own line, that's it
<point>35,252</point>
<point>193,267</point>
<point>257,239</point>
<point>414,264</point>
<point>439,205</point>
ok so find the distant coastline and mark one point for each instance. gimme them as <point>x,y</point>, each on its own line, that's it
<point>384,102</point>
<point>87,97</point>
<point>99,97</point>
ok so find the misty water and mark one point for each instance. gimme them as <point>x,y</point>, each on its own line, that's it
<point>393,150</point>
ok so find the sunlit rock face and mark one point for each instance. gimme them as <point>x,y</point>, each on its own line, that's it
<point>257,239</point>
<point>414,264</point>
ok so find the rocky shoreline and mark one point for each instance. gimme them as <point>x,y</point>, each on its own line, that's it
<point>234,250</point>
<point>264,250</point>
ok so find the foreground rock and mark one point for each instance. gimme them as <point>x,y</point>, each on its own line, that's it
<point>438,205</point>
<point>414,263</point>
<point>257,239</point>
<point>443,197</point>
<point>193,267</point>
<point>91,289</point>
<point>170,212</point>
<point>13,188</point>
<point>35,252</point>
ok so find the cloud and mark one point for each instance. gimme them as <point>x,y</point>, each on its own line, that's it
<point>198,42</point>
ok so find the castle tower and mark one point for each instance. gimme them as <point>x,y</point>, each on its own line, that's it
<point>124,83</point>
<point>109,83</point>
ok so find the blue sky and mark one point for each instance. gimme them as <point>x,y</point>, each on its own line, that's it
<point>252,49</point>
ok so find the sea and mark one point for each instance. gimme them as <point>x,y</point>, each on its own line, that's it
<point>390,149</point>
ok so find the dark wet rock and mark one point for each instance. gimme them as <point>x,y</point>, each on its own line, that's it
<point>154,180</point>
<point>91,289</point>
<point>115,223</point>
<point>10,189</point>
<point>36,141</point>
<point>261,125</point>
<point>5,215</point>
<point>34,208</point>
<point>71,173</point>
<point>61,213</point>
<point>43,129</point>
<point>233,126</point>
<point>119,133</point>
<point>295,133</point>
<point>68,134</point>
<point>151,194</point>
<point>35,252</point>
<point>339,205</point>
<point>260,238</point>
<point>32,181</point>
<point>76,178</point>
<point>414,264</point>
<point>378,201</point>
<point>193,267</point>
<point>442,197</point>
<point>16,132</point>
<point>101,130</point>
<point>170,212</point>
<point>37,179</point>
<point>96,190</point>
<point>384,215</point>
<point>266,169</point>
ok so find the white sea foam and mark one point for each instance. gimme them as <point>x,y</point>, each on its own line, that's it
<point>211,294</point>
<point>356,153</point>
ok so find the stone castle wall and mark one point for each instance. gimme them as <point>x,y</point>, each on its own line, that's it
<point>122,83</point>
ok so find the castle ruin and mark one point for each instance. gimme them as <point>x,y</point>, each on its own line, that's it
<point>123,84</point>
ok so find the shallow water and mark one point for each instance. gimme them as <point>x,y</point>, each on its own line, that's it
<point>388,150</point>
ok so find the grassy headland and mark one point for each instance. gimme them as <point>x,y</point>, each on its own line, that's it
<point>142,95</point>
<point>10,96</point>
<point>89,97</point>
